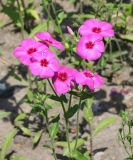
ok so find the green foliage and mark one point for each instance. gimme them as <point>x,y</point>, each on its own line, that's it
<point>7,144</point>
<point>39,28</point>
<point>4,114</point>
<point>71,111</point>
<point>54,129</point>
<point>20,13</point>
<point>88,114</point>
<point>37,137</point>
<point>18,158</point>
<point>104,124</point>
<point>64,144</point>
<point>125,133</point>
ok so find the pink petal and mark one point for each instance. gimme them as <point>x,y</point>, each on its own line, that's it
<point>61,87</point>
<point>99,46</point>
<point>90,83</point>
<point>54,65</point>
<point>46,36</point>
<point>35,68</point>
<point>98,81</point>
<point>26,60</point>
<point>46,72</point>
<point>80,78</point>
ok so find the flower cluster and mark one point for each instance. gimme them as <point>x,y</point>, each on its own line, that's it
<point>42,62</point>
<point>90,46</point>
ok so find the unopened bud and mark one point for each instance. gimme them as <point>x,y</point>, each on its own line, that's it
<point>70,31</point>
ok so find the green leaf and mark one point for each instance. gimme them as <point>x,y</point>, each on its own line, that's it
<point>18,158</point>
<point>58,99</point>
<point>4,114</point>
<point>37,137</point>
<point>72,110</point>
<point>61,16</point>
<point>86,95</point>
<point>48,146</point>
<point>54,128</point>
<point>13,13</point>
<point>79,156</point>
<point>104,124</point>
<point>88,113</point>
<point>33,13</point>
<point>7,144</point>
<point>80,142</point>
<point>39,28</point>
<point>30,95</point>
<point>128,37</point>
<point>26,131</point>
<point>62,143</point>
<point>19,119</point>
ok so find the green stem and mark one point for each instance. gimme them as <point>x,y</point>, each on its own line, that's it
<point>29,79</point>
<point>77,125</point>
<point>70,101</point>
<point>21,18</point>
<point>66,120</point>
<point>51,139</point>
<point>56,20</point>
<point>91,142</point>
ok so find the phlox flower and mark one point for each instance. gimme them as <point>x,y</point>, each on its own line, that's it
<point>47,39</point>
<point>26,50</point>
<point>63,80</point>
<point>44,64</point>
<point>86,77</point>
<point>97,27</point>
<point>90,47</point>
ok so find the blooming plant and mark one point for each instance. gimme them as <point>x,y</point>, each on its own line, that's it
<point>37,54</point>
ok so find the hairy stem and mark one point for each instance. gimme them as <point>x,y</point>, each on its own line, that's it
<point>77,125</point>
<point>51,139</point>
<point>66,120</point>
<point>21,18</point>
<point>91,142</point>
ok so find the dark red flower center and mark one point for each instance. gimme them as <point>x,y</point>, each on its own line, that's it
<point>31,50</point>
<point>62,76</point>
<point>96,29</point>
<point>89,45</point>
<point>88,74</point>
<point>44,63</point>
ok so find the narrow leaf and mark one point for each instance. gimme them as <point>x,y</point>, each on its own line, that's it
<point>88,113</point>
<point>104,124</point>
<point>54,128</point>
<point>4,114</point>
<point>18,158</point>
<point>7,144</point>
<point>37,137</point>
<point>70,113</point>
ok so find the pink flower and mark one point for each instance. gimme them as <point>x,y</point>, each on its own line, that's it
<point>26,50</point>
<point>44,65</point>
<point>86,77</point>
<point>97,27</point>
<point>90,47</point>
<point>47,39</point>
<point>63,79</point>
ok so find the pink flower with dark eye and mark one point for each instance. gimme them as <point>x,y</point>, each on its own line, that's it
<point>44,65</point>
<point>47,39</point>
<point>97,27</point>
<point>90,47</point>
<point>63,79</point>
<point>86,77</point>
<point>26,50</point>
